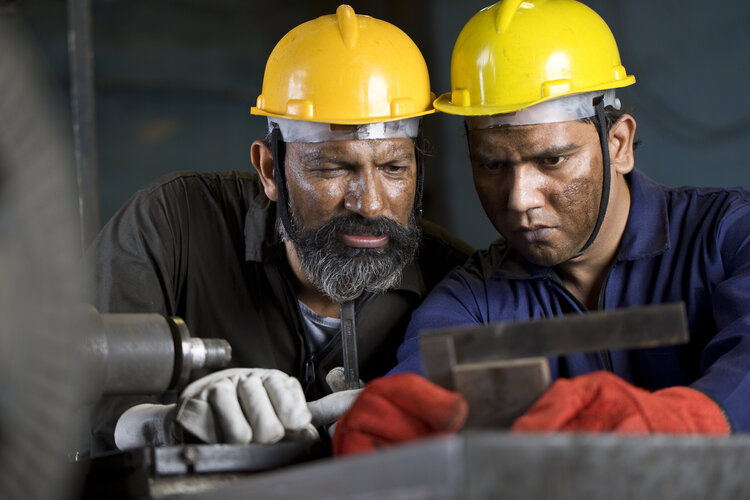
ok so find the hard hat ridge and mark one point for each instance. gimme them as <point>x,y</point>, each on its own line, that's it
<point>504,14</point>
<point>348,25</point>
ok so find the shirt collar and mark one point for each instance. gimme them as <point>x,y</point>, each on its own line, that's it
<point>512,265</point>
<point>646,232</point>
<point>262,242</point>
<point>269,249</point>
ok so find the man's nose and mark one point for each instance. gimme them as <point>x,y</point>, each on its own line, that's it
<point>363,196</point>
<point>524,190</point>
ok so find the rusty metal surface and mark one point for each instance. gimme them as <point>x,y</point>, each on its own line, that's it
<point>499,465</point>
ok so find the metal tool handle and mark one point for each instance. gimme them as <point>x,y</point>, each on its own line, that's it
<point>349,345</point>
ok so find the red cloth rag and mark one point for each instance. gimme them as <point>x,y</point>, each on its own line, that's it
<point>602,401</point>
<point>398,409</point>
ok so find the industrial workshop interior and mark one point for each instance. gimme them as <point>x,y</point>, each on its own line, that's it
<point>357,249</point>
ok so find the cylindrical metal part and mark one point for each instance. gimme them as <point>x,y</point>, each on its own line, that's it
<point>195,353</point>
<point>210,353</point>
<point>144,353</point>
<point>140,353</point>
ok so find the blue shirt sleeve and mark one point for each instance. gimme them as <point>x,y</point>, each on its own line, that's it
<point>453,302</point>
<point>725,361</point>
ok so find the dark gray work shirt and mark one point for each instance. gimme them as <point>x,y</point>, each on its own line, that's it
<point>203,246</point>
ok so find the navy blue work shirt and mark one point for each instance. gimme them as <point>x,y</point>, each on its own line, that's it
<point>680,244</point>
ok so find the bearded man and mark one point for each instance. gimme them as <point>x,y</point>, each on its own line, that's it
<point>264,259</point>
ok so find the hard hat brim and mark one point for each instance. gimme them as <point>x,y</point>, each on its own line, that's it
<point>339,121</point>
<point>444,105</point>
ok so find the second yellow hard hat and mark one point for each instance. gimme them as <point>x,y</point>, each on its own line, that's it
<point>517,53</point>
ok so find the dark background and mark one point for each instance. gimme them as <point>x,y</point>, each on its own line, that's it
<point>175,81</point>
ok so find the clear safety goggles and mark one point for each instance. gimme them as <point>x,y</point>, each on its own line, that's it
<point>562,109</point>
<point>303,131</point>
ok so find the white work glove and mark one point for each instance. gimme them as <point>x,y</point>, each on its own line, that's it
<point>244,405</point>
<point>328,409</point>
<point>226,404</point>
<point>147,424</point>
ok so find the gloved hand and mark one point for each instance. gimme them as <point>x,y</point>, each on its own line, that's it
<point>328,409</point>
<point>243,405</point>
<point>204,415</point>
<point>398,409</point>
<point>147,424</point>
<point>602,401</point>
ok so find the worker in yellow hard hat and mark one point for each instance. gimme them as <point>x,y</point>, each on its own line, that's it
<point>332,215</point>
<point>552,158</point>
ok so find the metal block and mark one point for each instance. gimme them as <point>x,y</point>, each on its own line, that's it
<point>498,393</point>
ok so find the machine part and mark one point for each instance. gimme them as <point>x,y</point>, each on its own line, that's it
<point>489,365</point>
<point>84,113</point>
<point>152,472</point>
<point>201,459</point>
<point>349,345</point>
<point>146,353</point>
<point>481,465</point>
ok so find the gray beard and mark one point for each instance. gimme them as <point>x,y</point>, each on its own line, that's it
<point>344,273</point>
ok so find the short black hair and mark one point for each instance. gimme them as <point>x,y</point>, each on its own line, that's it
<point>611,116</point>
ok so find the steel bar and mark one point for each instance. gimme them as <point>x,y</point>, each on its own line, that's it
<point>639,327</point>
<point>83,111</point>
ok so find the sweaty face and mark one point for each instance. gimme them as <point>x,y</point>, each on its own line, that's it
<point>352,213</point>
<point>540,185</point>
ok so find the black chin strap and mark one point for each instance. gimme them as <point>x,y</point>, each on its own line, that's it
<point>419,146</point>
<point>278,149</point>
<point>601,128</point>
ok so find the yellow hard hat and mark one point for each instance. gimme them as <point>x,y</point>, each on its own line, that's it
<point>345,69</point>
<point>518,53</point>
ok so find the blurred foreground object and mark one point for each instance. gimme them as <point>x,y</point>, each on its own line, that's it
<point>55,354</point>
<point>41,381</point>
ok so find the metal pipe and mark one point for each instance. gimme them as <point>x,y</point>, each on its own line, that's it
<point>83,111</point>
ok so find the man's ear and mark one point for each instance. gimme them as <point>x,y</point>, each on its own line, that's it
<point>621,137</point>
<point>262,158</point>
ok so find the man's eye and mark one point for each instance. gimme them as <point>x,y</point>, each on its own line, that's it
<point>553,161</point>
<point>329,169</point>
<point>396,169</point>
<point>492,165</point>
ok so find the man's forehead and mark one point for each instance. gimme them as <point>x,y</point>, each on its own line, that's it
<point>533,137</point>
<point>375,148</point>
